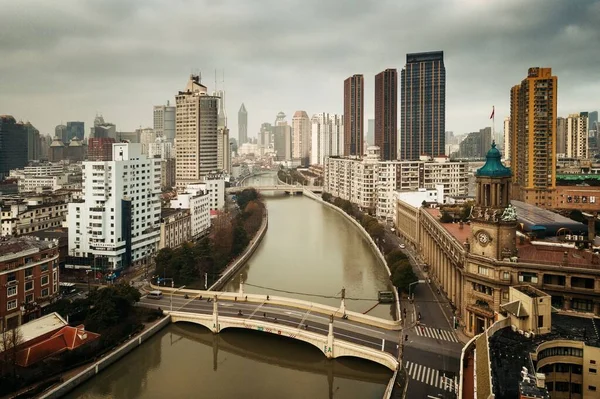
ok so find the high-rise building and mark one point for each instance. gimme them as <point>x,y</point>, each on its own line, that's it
<point>264,137</point>
<point>75,130</point>
<point>592,120</point>
<point>386,114</point>
<point>33,142</point>
<point>282,138</point>
<point>476,144</point>
<point>327,137</point>
<point>164,121</point>
<point>561,137</point>
<point>423,106</point>
<point>577,136</point>
<point>370,132</point>
<point>99,149</point>
<point>13,145</point>
<point>147,137</point>
<point>242,125</point>
<point>506,137</point>
<point>223,150</point>
<point>301,127</point>
<point>105,231</point>
<point>222,118</point>
<point>60,131</point>
<point>195,133</point>
<point>533,137</point>
<point>354,104</point>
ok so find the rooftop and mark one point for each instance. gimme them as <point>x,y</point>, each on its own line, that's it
<point>44,325</point>
<point>531,217</point>
<point>9,248</point>
<point>166,212</point>
<point>510,351</point>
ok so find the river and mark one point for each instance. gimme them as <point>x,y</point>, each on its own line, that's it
<point>308,249</point>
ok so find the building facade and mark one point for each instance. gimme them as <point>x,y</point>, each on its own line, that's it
<point>533,137</point>
<point>198,204</point>
<point>100,149</point>
<point>282,138</point>
<point>29,279</point>
<point>13,145</point>
<point>423,106</point>
<point>327,137</point>
<point>242,125</point>
<point>354,112</point>
<point>301,130</point>
<point>164,121</point>
<point>22,215</point>
<point>175,227</point>
<point>196,133</point>
<point>386,114</point>
<point>576,138</point>
<point>75,130</point>
<point>117,224</point>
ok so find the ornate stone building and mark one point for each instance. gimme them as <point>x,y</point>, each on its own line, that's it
<point>476,262</point>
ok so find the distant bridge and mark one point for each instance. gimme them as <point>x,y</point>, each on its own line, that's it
<point>281,188</point>
<point>354,335</point>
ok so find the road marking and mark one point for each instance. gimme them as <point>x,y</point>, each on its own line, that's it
<point>429,376</point>
<point>436,333</point>
<point>255,310</point>
<point>382,344</point>
<point>304,318</point>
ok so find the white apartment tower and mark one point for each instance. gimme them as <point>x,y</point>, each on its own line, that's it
<point>196,133</point>
<point>301,131</point>
<point>577,136</point>
<point>164,121</point>
<point>327,137</point>
<point>117,224</point>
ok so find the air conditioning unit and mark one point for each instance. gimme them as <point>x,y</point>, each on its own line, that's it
<point>513,328</point>
<point>568,237</point>
<point>521,332</point>
<point>527,335</point>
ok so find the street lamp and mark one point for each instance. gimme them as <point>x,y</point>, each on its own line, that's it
<point>172,292</point>
<point>411,284</point>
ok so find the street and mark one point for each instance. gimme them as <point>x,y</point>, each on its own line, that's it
<point>431,354</point>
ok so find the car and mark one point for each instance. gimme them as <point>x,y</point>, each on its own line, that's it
<point>402,246</point>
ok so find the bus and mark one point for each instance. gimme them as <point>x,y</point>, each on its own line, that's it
<point>67,289</point>
<point>154,295</point>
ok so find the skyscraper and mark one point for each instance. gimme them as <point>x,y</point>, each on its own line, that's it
<point>164,121</point>
<point>13,145</point>
<point>60,131</point>
<point>423,106</point>
<point>592,120</point>
<point>561,136</point>
<point>282,138</point>
<point>196,133</point>
<point>354,104</point>
<point>242,125</point>
<point>33,142</point>
<point>506,138</point>
<point>386,114</point>
<point>75,130</point>
<point>264,137</point>
<point>577,136</point>
<point>533,137</point>
<point>301,137</point>
<point>370,132</point>
<point>327,137</point>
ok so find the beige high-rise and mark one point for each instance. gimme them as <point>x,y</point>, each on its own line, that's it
<point>301,128</point>
<point>195,133</point>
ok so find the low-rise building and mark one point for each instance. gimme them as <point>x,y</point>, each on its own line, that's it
<point>175,227</point>
<point>29,277</point>
<point>22,215</point>
<point>198,204</point>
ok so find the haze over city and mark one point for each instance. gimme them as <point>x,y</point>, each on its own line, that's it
<point>71,60</point>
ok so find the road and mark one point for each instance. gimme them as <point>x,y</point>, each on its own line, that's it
<point>432,351</point>
<point>347,330</point>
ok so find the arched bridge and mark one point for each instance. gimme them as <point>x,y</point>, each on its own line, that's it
<point>335,331</point>
<point>281,188</point>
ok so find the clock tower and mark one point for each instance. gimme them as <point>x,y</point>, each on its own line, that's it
<point>493,219</point>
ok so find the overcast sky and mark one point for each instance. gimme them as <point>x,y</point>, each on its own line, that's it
<point>67,60</point>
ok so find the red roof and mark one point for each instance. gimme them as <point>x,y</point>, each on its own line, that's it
<point>67,338</point>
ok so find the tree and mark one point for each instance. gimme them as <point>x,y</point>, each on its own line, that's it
<point>246,196</point>
<point>446,218</point>
<point>376,231</point>
<point>221,240</point>
<point>10,340</point>
<point>326,196</point>
<point>395,256</point>
<point>240,239</point>
<point>403,276</point>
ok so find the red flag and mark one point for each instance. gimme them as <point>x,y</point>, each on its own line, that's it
<point>493,110</point>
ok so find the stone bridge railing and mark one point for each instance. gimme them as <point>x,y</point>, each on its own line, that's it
<point>332,348</point>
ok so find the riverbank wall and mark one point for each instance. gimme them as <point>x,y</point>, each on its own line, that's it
<point>248,252</point>
<point>374,248</point>
<point>106,361</point>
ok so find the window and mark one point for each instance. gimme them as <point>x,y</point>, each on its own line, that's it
<point>45,292</point>
<point>506,275</point>
<point>44,267</point>
<point>10,305</point>
<point>28,285</point>
<point>592,371</point>
<point>11,291</point>
<point>483,270</point>
<point>28,298</point>
<point>592,362</point>
<point>29,272</point>
<point>561,386</point>
<point>44,280</point>
<point>591,388</point>
<point>540,321</point>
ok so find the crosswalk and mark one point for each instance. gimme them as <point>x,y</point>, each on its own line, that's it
<point>436,333</point>
<point>429,376</point>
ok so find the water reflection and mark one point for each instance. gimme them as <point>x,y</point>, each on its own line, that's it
<point>233,364</point>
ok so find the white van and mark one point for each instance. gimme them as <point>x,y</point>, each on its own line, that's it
<point>154,295</point>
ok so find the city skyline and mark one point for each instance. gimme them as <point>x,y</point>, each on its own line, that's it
<point>479,40</point>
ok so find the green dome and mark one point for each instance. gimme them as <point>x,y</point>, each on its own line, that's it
<point>493,166</point>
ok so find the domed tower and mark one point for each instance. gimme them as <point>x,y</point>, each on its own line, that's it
<point>493,219</point>
<point>57,150</point>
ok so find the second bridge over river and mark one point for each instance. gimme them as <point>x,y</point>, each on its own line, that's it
<point>335,331</point>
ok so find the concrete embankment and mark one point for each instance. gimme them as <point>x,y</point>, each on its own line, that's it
<point>372,244</point>
<point>106,361</point>
<point>241,261</point>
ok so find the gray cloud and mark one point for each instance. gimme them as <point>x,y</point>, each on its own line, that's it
<point>67,60</point>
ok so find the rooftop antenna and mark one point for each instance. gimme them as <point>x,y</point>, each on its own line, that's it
<point>215,79</point>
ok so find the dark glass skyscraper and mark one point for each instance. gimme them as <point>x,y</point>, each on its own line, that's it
<point>354,104</point>
<point>386,114</point>
<point>423,106</point>
<point>13,145</point>
<point>75,130</point>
